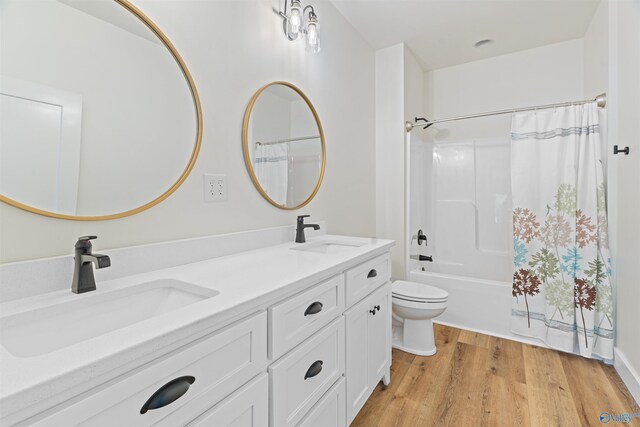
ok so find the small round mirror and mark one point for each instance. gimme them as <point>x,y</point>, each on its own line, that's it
<point>283,145</point>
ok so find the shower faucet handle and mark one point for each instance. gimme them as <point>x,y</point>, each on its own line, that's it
<point>422,238</point>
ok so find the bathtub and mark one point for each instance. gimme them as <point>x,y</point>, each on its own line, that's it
<point>477,305</point>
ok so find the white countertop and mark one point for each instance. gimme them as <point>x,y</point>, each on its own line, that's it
<point>247,282</point>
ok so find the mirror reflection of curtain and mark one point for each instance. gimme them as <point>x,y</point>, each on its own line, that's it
<point>271,165</point>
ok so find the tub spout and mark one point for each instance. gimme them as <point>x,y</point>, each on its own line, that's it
<point>422,258</point>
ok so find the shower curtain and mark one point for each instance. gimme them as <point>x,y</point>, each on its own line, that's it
<point>562,292</point>
<point>271,164</point>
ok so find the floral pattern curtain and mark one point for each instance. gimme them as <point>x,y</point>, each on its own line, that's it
<point>562,292</point>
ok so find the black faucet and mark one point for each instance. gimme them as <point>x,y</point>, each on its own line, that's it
<point>301,226</point>
<point>83,280</point>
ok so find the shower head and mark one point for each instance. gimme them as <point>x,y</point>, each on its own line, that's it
<point>422,119</point>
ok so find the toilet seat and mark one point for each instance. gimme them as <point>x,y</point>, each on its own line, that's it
<point>400,298</point>
<point>418,292</point>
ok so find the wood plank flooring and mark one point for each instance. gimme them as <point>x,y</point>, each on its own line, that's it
<point>479,380</point>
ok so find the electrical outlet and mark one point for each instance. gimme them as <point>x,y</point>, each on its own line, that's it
<point>215,187</point>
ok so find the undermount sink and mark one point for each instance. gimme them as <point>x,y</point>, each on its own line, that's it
<point>328,247</point>
<point>44,330</point>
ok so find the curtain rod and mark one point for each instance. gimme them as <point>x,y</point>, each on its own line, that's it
<point>280,141</point>
<point>600,100</point>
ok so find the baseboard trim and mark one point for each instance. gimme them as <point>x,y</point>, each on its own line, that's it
<point>629,376</point>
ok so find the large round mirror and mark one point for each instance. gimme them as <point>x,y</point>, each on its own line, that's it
<point>283,145</point>
<point>99,117</point>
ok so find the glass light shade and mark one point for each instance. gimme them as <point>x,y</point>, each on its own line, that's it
<point>313,36</point>
<point>294,20</point>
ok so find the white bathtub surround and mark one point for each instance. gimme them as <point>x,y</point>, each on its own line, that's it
<point>247,282</point>
<point>474,304</point>
<point>562,268</point>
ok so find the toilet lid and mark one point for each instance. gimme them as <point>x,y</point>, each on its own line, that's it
<point>418,291</point>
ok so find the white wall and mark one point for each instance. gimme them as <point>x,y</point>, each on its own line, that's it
<point>232,48</point>
<point>544,75</point>
<point>624,197</point>
<point>596,73</point>
<point>399,79</point>
<point>612,65</point>
<point>390,154</point>
<point>414,107</point>
<point>596,52</point>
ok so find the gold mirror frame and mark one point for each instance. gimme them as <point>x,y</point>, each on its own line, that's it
<point>247,155</point>
<point>196,149</point>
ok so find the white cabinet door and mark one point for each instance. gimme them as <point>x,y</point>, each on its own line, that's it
<point>357,371</point>
<point>379,336</point>
<point>368,350</point>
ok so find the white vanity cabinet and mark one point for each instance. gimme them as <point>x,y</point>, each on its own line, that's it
<point>307,359</point>
<point>360,302</point>
<point>353,351</point>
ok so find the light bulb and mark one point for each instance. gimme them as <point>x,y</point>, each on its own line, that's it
<point>313,35</point>
<point>294,20</point>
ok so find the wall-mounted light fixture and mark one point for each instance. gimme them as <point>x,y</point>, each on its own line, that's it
<point>294,24</point>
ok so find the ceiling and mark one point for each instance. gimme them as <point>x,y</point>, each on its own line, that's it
<point>442,33</point>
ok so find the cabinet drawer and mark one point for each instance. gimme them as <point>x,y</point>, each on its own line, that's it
<point>300,378</point>
<point>247,407</point>
<point>297,318</point>
<point>365,278</point>
<point>218,363</point>
<point>330,410</point>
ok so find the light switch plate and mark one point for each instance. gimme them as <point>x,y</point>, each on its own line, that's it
<point>215,187</point>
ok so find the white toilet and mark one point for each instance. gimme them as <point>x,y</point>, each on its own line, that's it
<point>414,307</point>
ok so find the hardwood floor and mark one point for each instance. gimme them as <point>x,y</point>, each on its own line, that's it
<point>478,380</point>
